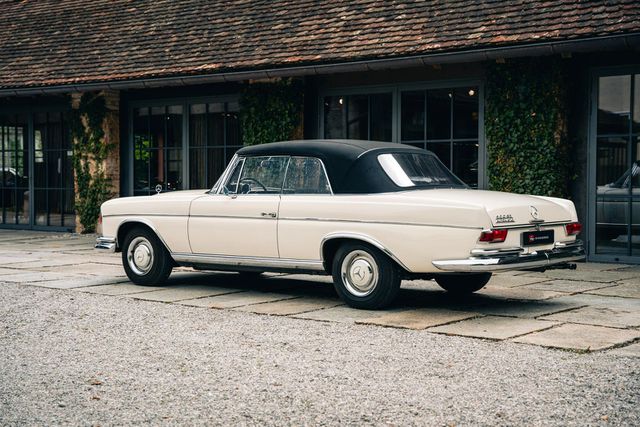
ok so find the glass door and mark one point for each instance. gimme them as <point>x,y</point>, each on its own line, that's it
<point>617,167</point>
<point>14,170</point>
<point>53,172</point>
<point>36,171</point>
<point>157,142</point>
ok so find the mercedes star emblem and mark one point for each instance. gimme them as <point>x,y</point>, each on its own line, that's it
<point>534,212</point>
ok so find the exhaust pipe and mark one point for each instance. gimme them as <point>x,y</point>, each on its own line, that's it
<point>564,266</point>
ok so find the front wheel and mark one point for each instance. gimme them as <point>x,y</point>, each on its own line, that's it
<point>464,283</point>
<point>364,277</point>
<point>145,259</point>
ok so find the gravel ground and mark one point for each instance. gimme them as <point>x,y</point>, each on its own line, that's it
<point>73,358</point>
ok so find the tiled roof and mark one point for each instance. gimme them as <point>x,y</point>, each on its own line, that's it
<point>59,42</point>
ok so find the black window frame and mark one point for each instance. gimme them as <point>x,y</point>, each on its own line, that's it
<point>127,152</point>
<point>396,89</point>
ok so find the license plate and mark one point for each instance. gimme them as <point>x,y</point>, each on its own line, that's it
<point>530,238</point>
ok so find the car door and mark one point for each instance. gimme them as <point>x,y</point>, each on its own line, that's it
<point>241,218</point>
<point>305,205</point>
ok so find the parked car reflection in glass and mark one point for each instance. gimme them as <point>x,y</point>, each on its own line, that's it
<point>615,209</point>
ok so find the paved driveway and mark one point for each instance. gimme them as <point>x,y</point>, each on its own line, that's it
<point>79,345</point>
<point>595,308</point>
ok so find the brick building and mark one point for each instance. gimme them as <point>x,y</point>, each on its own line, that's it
<point>404,71</point>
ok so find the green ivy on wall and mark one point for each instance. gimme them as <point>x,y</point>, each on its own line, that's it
<point>525,126</point>
<point>270,112</point>
<point>89,153</point>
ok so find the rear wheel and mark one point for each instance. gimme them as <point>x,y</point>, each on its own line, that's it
<point>364,277</point>
<point>145,259</point>
<point>465,283</point>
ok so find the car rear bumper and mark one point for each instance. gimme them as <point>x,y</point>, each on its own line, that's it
<point>513,258</point>
<point>106,243</point>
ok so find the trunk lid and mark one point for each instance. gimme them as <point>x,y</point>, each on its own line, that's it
<point>508,209</point>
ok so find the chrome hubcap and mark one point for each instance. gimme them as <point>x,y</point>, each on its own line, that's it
<point>359,273</point>
<point>140,256</point>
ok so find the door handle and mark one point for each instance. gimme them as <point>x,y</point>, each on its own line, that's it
<point>269,214</point>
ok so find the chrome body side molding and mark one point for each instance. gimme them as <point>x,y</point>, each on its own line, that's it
<point>230,262</point>
<point>364,221</point>
<point>361,237</point>
<point>533,224</point>
<point>513,259</point>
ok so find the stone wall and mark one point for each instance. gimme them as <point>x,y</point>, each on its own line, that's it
<point>111,128</point>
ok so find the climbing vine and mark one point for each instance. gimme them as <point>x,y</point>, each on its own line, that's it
<point>525,125</point>
<point>270,111</point>
<point>90,150</point>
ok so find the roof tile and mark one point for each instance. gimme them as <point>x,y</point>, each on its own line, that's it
<point>56,42</point>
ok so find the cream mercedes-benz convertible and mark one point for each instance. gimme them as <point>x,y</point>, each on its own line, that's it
<point>370,214</point>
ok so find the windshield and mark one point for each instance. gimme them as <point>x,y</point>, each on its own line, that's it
<point>418,170</point>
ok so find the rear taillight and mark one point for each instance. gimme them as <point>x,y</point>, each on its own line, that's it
<point>493,236</point>
<point>573,228</point>
<point>100,219</point>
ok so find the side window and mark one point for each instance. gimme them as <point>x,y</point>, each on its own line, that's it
<point>306,175</point>
<point>231,185</point>
<point>262,175</point>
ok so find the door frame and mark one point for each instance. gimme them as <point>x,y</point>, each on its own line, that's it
<point>594,76</point>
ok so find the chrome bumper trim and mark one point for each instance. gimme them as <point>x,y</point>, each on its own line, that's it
<point>106,243</point>
<point>230,261</point>
<point>496,260</point>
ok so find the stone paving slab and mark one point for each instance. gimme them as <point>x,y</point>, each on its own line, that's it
<point>632,350</point>
<point>291,306</point>
<point>571,336</point>
<point>119,289</point>
<point>40,264</point>
<point>48,246</point>
<point>519,293</point>
<point>341,314</point>
<point>526,309</point>
<point>625,268</point>
<point>236,299</point>
<point>568,286</point>
<point>6,271</point>
<point>34,276</point>
<point>115,259</point>
<point>493,327</point>
<point>599,316</point>
<point>585,275</point>
<point>624,290</point>
<point>181,293</point>
<point>73,282</point>
<point>595,266</point>
<point>11,259</point>
<point>510,281</point>
<point>417,318</point>
<point>89,268</point>
<point>630,304</point>
<point>422,299</point>
<point>237,284</point>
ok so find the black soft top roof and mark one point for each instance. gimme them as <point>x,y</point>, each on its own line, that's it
<point>350,164</point>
